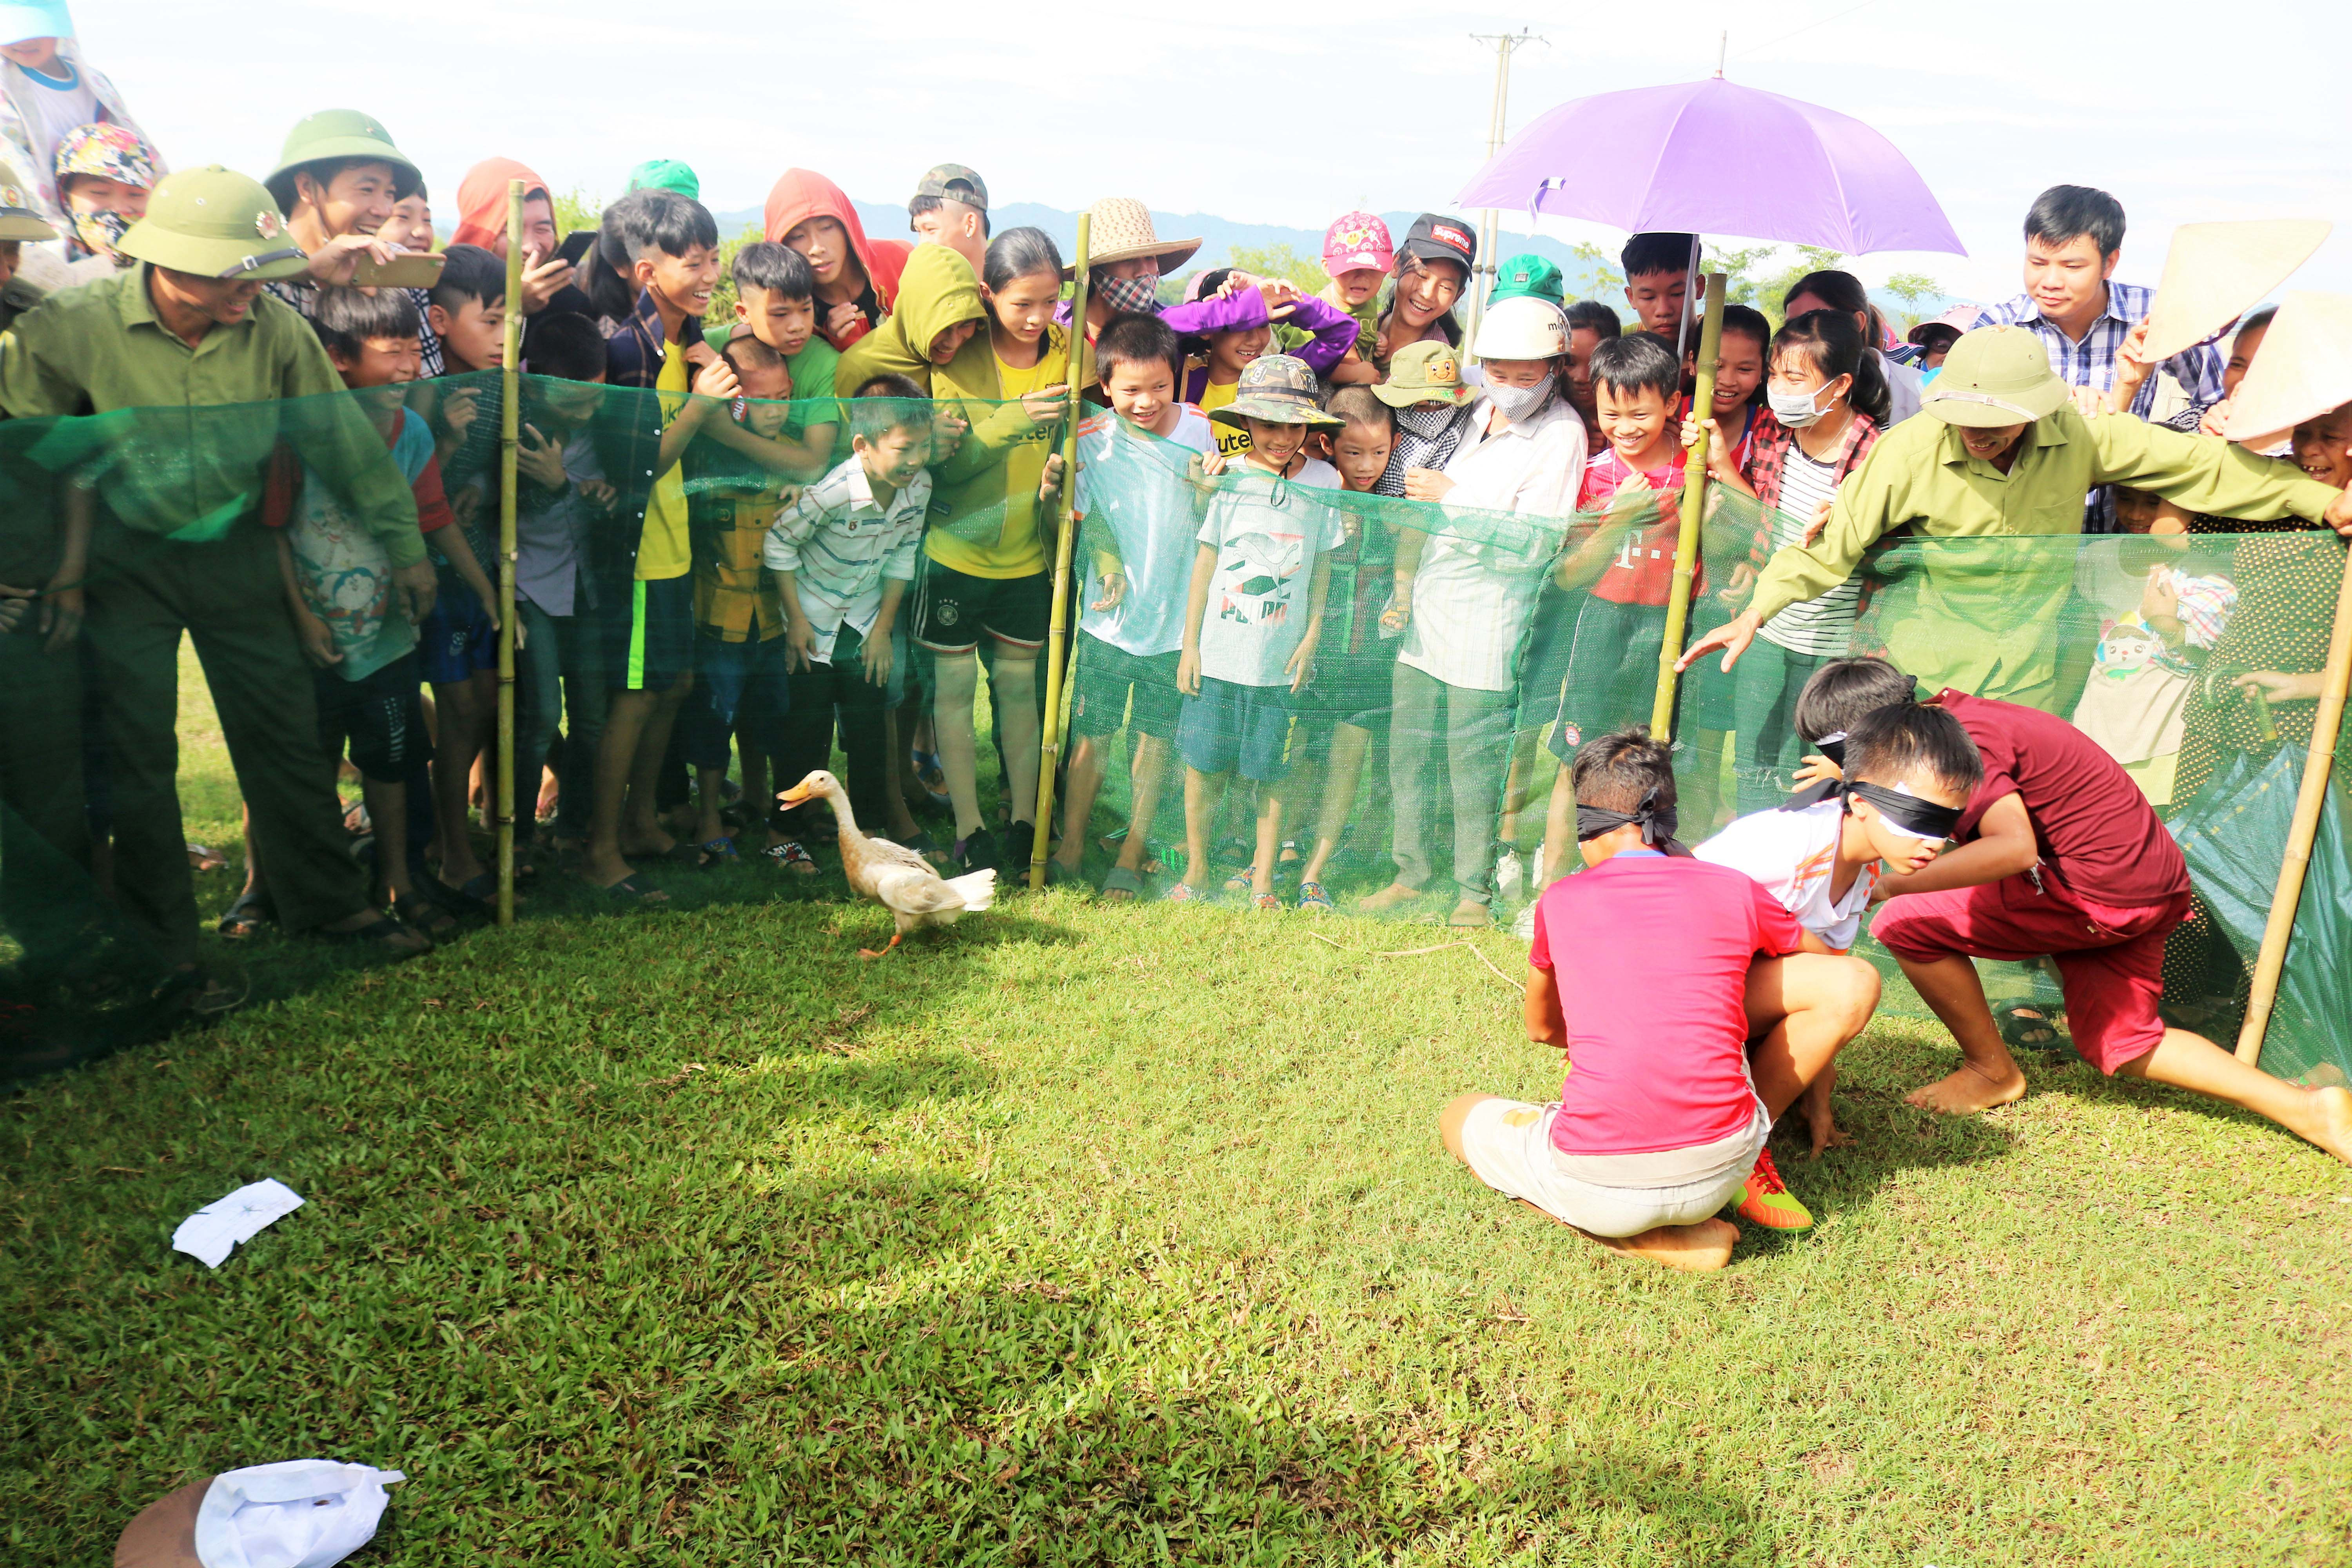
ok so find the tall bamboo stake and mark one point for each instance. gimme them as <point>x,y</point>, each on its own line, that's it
<point>1057,636</point>
<point>1710,340</point>
<point>2270,961</point>
<point>509,430</point>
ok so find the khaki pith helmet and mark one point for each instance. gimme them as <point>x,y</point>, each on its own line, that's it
<point>215,223</point>
<point>1995,376</point>
<point>336,136</point>
<point>19,218</point>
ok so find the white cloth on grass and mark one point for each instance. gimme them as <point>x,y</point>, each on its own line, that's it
<point>1794,855</point>
<point>298,1514</point>
<point>213,1232</point>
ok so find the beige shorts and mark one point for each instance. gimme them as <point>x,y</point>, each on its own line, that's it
<point>1508,1144</point>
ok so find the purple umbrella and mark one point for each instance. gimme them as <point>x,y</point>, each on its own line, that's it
<point>1712,157</point>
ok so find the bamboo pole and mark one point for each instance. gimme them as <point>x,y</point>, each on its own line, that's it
<point>1711,339</point>
<point>2270,961</point>
<point>1057,636</point>
<point>510,430</point>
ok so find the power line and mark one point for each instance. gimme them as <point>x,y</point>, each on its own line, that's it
<point>1807,29</point>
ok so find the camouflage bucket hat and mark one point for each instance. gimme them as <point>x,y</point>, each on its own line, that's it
<point>1278,389</point>
<point>215,223</point>
<point>1425,372</point>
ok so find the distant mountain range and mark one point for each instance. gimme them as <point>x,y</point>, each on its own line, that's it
<point>1218,236</point>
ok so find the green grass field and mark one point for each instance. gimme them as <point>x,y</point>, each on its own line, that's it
<point>1116,1235</point>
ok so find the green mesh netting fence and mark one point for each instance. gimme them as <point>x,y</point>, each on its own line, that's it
<point>1453,657</point>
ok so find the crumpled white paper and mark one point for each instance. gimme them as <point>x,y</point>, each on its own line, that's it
<point>298,1513</point>
<point>211,1233</point>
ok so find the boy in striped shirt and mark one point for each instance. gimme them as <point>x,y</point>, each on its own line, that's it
<point>843,555</point>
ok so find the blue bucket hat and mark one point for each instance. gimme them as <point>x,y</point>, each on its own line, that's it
<point>24,19</point>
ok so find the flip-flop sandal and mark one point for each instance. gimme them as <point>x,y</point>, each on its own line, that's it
<point>204,857</point>
<point>1311,896</point>
<point>420,911</point>
<point>1266,901</point>
<point>384,933</point>
<point>721,852</point>
<point>2028,1027</point>
<point>1242,883</point>
<point>245,917</point>
<point>1185,893</point>
<point>465,901</point>
<point>626,892</point>
<point>1119,879</point>
<point>792,858</point>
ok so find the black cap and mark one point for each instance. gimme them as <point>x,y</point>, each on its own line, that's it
<point>1434,236</point>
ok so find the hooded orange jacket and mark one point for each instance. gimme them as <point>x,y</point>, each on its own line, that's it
<point>800,196</point>
<point>482,201</point>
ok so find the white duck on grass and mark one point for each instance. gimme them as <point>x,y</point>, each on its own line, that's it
<point>891,874</point>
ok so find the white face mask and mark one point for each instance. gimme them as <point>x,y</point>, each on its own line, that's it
<point>1517,401</point>
<point>1795,409</point>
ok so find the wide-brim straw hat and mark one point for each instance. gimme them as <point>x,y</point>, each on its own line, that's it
<point>2303,370</point>
<point>2216,272</point>
<point>1995,376</point>
<point>1122,231</point>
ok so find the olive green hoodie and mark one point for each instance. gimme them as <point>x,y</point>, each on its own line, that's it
<point>936,292</point>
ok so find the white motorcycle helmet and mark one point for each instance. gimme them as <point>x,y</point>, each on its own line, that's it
<point>1522,328</point>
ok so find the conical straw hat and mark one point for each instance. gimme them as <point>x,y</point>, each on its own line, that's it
<point>2216,272</point>
<point>2303,370</point>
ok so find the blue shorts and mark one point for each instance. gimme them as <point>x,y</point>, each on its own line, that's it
<point>457,640</point>
<point>1236,728</point>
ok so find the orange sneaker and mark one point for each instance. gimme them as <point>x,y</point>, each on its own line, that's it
<point>1765,1199</point>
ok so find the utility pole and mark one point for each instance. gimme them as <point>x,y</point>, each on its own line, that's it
<point>1489,224</point>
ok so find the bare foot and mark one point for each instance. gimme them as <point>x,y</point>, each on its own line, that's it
<point>604,870</point>
<point>1688,1248</point>
<point>1469,914</point>
<point>2334,1104</point>
<point>1394,896</point>
<point>1822,1119</point>
<point>1966,1091</point>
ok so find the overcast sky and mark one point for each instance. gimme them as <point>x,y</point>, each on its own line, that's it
<point>2186,111</point>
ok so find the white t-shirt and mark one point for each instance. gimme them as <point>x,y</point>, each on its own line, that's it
<point>1147,518</point>
<point>1268,533</point>
<point>1823,626</point>
<point>1794,854</point>
<point>64,107</point>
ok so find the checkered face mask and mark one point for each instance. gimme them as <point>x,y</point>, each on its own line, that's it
<point>1139,293</point>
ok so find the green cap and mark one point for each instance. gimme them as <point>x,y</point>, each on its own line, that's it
<point>334,136</point>
<point>942,181</point>
<point>19,220</point>
<point>1995,376</point>
<point>1426,372</point>
<point>215,223</point>
<point>1528,276</point>
<point>665,174</point>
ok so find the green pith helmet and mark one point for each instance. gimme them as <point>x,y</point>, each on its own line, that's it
<point>215,223</point>
<point>19,218</point>
<point>335,136</point>
<point>1995,376</point>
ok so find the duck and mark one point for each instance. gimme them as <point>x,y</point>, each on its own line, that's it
<point>891,874</point>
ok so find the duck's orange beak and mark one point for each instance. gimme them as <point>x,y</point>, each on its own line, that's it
<point>797,796</point>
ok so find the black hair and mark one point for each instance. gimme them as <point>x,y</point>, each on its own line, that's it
<point>775,269</point>
<point>1136,338</point>
<point>621,234</point>
<point>1637,360</point>
<point>468,273</point>
<point>1618,770</point>
<point>405,182</point>
<point>1449,326</point>
<point>675,225</point>
<point>1748,322</point>
<point>885,403</point>
<point>345,319</point>
<point>1843,690</point>
<point>2258,319</point>
<point>1192,344</point>
<point>1656,253</point>
<point>1833,344</point>
<point>959,190</point>
<point>746,353</point>
<point>1358,406</point>
<point>567,347</point>
<point>2070,212</point>
<point>1019,253</point>
<point>1935,337</point>
<point>1596,316</point>
<point>1886,742</point>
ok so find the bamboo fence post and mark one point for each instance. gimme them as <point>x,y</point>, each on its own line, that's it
<point>2270,961</point>
<point>1057,638</point>
<point>509,430</point>
<point>1711,339</point>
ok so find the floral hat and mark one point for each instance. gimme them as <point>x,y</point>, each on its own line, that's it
<point>113,152</point>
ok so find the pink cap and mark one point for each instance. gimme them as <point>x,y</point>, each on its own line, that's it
<point>1355,241</point>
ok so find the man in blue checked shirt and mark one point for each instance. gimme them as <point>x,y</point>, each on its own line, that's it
<point>2074,236</point>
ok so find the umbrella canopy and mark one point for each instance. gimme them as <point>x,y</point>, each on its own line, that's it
<point>1713,157</point>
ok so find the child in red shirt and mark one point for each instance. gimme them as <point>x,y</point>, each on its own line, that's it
<point>2060,854</point>
<point>1664,1115</point>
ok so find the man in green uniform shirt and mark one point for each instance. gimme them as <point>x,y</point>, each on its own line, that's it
<point>2003,453</point>
<point>189,367</point>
